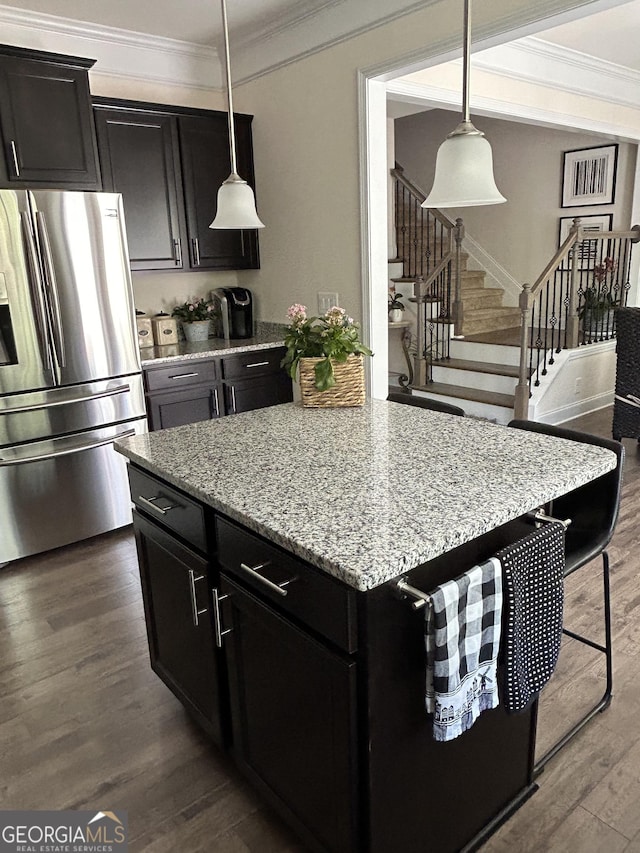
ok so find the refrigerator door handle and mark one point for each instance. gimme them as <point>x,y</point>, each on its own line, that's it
<point>71,447</point>
<point>50,278</point>
<point>110,392</point>
<point>35,282</point>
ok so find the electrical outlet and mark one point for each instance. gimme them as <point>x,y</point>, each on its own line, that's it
<point>326,300</point>
<point>578,385</point>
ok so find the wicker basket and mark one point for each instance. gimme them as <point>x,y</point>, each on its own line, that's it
<point>349,387</point>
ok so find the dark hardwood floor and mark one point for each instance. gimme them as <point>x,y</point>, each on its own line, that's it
<point>84,723</point>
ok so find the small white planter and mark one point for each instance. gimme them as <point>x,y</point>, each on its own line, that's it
<point>196,331</point>
<point>396,315</point>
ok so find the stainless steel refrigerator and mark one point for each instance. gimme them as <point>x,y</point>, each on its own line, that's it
<point>70,378</point>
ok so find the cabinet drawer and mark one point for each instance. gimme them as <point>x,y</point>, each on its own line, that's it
<point>253,363</point>
<point>180,374</point>
<point>320,602</point>
<point>168,506</point>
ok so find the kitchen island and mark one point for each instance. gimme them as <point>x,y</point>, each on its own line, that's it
<point>270,546</point>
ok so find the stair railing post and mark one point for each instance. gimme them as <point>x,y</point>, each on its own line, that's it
<point>573,320</point>
<point>521,402</point>
<point>418,293</point>
<point>457,308</point>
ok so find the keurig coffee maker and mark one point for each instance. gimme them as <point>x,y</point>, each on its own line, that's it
<point>233,312</point>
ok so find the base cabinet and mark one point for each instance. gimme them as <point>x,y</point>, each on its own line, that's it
<point>293,712</point>
<point>189,391</point>
<point>176,592</point>
<point>317,689</point>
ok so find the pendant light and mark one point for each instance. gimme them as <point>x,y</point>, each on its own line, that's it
<point>464,164</point>
<point>236,202</point>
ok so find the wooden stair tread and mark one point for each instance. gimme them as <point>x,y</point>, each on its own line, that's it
<point>491,398</point>
<point>480,367</point>
<point>509,337</point>
<point>481,313</point>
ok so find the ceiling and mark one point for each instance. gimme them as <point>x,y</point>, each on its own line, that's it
<point>612,35</point>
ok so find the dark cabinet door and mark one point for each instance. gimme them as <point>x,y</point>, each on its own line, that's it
<point>179,628</point>
<point>244,395</point>
<point>206,163</point>
<point>293,719</point>
<point>187,406</point>
<point>47,124</point>
<point>139,158</point>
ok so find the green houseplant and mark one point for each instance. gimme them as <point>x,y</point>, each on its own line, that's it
<point>395,306</point>
<point>330,340</point>
<point>195,315</point>
<point>599,300</point>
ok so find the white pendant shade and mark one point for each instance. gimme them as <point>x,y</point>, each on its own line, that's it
<point>464,173</point>
<point>236,206</point>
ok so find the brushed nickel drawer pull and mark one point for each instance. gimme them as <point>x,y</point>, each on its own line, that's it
<point>219,633</point>
<point>182,375</point>
<point>233,400</point>
<point>149,502</point>
<point>254,571</point>
<point>257,364</point>
<point>14,154</point>
<point>193,580</point>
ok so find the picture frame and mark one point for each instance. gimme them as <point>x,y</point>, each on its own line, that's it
<point>593,222</point>
<point>589,176</point>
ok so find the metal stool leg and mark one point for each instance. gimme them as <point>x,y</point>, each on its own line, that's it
<point>605,701</point>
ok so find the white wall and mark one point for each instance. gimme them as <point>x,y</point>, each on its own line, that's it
<point>521,234</point>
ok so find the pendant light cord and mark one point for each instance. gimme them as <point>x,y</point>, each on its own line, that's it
<point>466,63</point>
<point>232,130</point>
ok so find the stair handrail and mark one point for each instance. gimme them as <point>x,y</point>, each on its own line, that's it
<point>398,174</point>
<point>532,294</point>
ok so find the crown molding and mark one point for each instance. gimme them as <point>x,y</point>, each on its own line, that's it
<point>434,97</point>
<point>118,53</point>
<point>535,60</point>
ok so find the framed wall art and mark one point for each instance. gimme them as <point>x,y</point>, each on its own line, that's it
<point>588,249</point>
<point>589,176</point>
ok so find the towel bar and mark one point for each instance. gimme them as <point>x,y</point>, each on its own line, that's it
<point>630,400</point>
<point>420,598</point>
<point>539,515</point>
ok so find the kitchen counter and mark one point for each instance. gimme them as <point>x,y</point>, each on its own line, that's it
<point>366,494</point>
<point>264,338</point>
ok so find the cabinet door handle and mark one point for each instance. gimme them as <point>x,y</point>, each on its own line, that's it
<point>149,503</point>
<point>195,244</point>
<point>257,364</point>
<point>193,580</point>
<point>233,400</point>
<point>14,154</point>
<point>177,252</point>
<point>217,624</point>
<point>254,571</point>
<point>217,401</point>
<point>182,375</point>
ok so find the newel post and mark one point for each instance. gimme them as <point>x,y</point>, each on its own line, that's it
<point>521,403</point>
<point>573,321</point>
<point>457,307</point>
<point>418,295</point>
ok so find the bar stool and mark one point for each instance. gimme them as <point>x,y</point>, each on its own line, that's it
<point>425,403</point>
<point>593,510</point>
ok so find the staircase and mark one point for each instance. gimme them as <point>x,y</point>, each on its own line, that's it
<point>478,367</point>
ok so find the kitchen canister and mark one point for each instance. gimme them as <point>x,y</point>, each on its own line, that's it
<point>145,335</point>
<point>165,329</point>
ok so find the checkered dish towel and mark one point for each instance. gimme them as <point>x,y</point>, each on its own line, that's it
<point>533,577</point>
<point>462,637</point>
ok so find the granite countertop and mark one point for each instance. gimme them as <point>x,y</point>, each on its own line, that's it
<point>262,339</point>
<point>369,493</point>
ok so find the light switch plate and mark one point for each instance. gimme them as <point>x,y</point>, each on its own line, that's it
<point>326,300</point>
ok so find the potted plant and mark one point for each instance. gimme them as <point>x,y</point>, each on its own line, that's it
<point>195,315</point>
<point>599,301</point>
<point>328,355</point>
<point>395,307</point>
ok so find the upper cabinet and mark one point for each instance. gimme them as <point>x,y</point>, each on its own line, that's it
<point>168,164</point>
<point>206,163</point>
<point>46,118</point>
